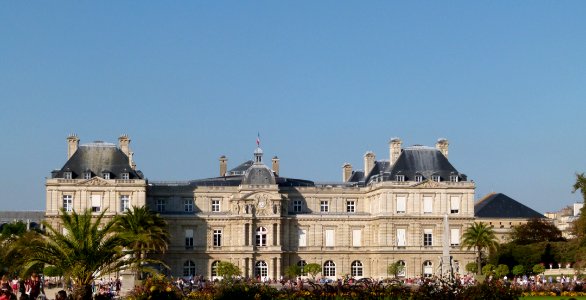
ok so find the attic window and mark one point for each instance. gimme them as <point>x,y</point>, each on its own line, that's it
<point>400,177</point>
<point>418,178</point>
<point>67,175</point>
<point>454,178</point>
<point>125,176</point>
<point>87,175</point>
<point>106,175</point>
<point>435,178</point>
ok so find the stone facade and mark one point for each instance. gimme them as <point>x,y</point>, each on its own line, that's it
<point>264,223</point>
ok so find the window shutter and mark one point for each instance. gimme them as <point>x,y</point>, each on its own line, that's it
<point>455,236</point>
<point>96,200</point>
<point>427,204</point>
<point>302,238</point>
<point>455,203</point>
<point>329,238</point>
<point>401,240</point>
<point>356,237</point>
<point>401,204</point>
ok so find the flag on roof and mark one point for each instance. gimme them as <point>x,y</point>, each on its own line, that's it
<point>258,139</point>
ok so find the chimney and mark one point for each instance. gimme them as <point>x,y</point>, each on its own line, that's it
<point>276,165</point>
<point>124,144</point>
<point>395,150</point>
<point>442,145</point>
<point>72,144</point>
<point>346,172</point>
<point>368,162</point>
<point>223,165</point>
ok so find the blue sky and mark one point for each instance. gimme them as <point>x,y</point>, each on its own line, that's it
<point>322,81</point>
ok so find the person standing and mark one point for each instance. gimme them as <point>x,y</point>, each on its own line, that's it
<point>33,286</point>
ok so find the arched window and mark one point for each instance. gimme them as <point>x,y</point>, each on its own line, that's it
<point>215,268</point>
<point>261,269</point>
<point>403,269</point>
<point>330,268</point>
<point>356,269</point>
<point>301,264</point>
<point>188,268</point>
<point>427,268</point>
<point>261,237</point>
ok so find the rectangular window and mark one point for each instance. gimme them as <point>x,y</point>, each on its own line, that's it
<point>124,203</point>
<point>350,206</point>
<point>68,203</point>
<point>96,203</point>
<point>400,178</point>
<point>454,205</point>
<point>418,178</point>
<point>87,175</point>
<point>302,238</point>
<point>297,206</point>
<point>125,176</point>
<point>455,236</point>
<point>356,237</point>
<point>435,178</point>
<point>189,239</point>
<point>161,203</point>
<point>215,205</point>
<point>427,204</point>
<point>67,175</point>
<point>401,204</point>
<point>217,238</point>
<point>454,178</point>
<point>188,205</point>
<point>428,237</point>
<point>324,206</point>
<point>329,238</point>
<point>106,175</point>
<point>401,237</point>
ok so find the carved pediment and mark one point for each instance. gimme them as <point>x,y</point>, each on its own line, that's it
<point>429,184</point>
<point>95,181</point>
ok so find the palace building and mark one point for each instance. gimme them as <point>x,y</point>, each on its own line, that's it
<point>391,211</point>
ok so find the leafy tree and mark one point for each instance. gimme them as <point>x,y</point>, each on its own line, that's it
<point>312,269</point>
<point>10,261</point>
<point>293,271</point>
<point>471,267</point>
<point>144,232</point>
<point>534,231</point>
<point>518,270</point>
<point>395,269</point>
<point>12,230</point>
<point>580,223</point>
<point>501,270</point>
<point>488,269</point>
<point>228,270</point>
<point>538,268</point>
<point>480,237</point>
<point>88,247</point>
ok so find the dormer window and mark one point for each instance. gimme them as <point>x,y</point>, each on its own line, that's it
<point>454,178</point>
<point>400,178</point>
<point>87,175</point>
<point>435,178</point>
<point>106,175</point>
<point>67,175</point>
<point>125,175</point>
<point>418,178</point>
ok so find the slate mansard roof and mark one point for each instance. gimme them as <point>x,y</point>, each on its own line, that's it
<point>97,158</point>
<point>415,160</point>
<point>498,205</point>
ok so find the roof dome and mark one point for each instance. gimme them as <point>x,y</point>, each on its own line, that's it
<point>259,174</point>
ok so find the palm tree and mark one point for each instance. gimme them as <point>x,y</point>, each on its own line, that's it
<point>85,248</point>
<point>144,232</point>
<point>479,237</point>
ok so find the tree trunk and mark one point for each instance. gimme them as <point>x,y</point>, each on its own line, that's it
<point>82,292</point>
<point>479,268</point>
